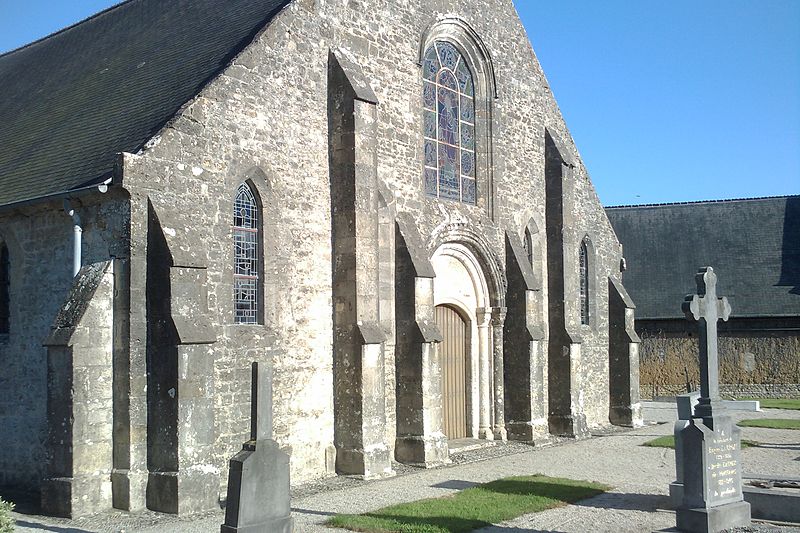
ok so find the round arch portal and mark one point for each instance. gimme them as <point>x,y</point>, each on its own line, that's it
<point>461,284</point>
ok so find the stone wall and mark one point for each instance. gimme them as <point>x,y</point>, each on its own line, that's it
<point>268,111</point>
<point>265,120</point>
<point>761,359</point>
<point>39,239</point>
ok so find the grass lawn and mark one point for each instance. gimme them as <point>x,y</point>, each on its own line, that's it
<point>771,423</point>
<point>668,441</point>
<point>472,508</point>
<point>782,403</point>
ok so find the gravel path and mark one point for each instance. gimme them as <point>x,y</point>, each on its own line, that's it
<point>638,502</point>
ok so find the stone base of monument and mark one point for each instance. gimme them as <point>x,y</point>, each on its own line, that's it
<point>676,494</point>
<point>259,500</point>
<point>713,519</point>
<point>777,503</point>
<point>712,480</point>
<point>258,491</point>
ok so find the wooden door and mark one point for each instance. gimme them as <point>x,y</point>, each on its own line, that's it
<point>453,355</point>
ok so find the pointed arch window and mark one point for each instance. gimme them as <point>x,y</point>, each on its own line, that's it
<point>584,275</point>
<point>528,243</point>
<point>449,124</point>
<point>247,256</point>
<point>5,290</point>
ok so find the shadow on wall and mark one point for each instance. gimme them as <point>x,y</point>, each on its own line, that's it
<point>790,251</point>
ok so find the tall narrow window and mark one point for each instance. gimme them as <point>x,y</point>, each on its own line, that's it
<point>5,290</point>
<point>246,253</point>
<point>449,119</point>
<point>529,245</point>
<point>584,275</point>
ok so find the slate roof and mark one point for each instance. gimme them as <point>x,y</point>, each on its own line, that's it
<point>753,245</point>
<point>71,101</point>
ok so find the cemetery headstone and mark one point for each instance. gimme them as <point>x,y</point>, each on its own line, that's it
<point>685,403</point>
<point>258,480</point>
<point>711,442</point>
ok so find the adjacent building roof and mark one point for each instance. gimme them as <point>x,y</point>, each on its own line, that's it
<point>71,101</point>
<point>752,244</point>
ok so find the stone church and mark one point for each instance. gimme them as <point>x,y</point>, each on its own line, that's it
<point>378,199</point>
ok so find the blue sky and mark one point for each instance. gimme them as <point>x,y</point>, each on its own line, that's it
<point>667,101</point>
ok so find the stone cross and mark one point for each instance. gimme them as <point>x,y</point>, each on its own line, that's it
<point>261,404</point>
<point>706,308</point>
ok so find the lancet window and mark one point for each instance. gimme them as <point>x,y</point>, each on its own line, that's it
<point>449,123</point>
<point>584,275</point>
<point>247,256</point>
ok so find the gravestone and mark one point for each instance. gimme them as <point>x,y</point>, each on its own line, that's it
<point>711,442</point>
<point>258,480</point>
<point>685,403</point>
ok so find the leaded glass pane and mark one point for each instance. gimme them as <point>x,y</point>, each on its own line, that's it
<point>467,110</point>
<point>467,163</point>
<point>429,95</point>
<point>430,124</point>
<point>464,78</point>
<point>467,136</point>
<point>468,194</point>
<point>449,118</point>
<point>431,64</point>
<point>448,55</point>
<point>430,153</point>
<point>448,161</point>
<point>246,300</point>
<point>245,252</point>
<point>430,181</point>
<point>446,79</point>
<point>448,186</point>
<point>449,175</point>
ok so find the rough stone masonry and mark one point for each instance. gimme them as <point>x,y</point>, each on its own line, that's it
<point>321,111</point>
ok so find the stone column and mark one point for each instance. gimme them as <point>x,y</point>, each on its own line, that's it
<point>498,320</point>
<point>484,317</point>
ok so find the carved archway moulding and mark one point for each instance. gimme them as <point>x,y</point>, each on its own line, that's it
<point>489,261</point>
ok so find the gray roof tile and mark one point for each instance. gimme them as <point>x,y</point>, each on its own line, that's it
<point>753,245</point>
<point>72,101</point>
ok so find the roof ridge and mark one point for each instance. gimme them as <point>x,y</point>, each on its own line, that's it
<point>720,201</point>
<point>67,28</point>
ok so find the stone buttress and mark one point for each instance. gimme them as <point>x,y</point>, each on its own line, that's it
<point>358,343</point>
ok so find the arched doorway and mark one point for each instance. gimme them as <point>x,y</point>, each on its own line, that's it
<point>453,354</point>
<point>463,311</point>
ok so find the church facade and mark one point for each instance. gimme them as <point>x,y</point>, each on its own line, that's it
<point>379,200</point>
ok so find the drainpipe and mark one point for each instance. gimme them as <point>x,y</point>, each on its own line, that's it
<point>77,234</point>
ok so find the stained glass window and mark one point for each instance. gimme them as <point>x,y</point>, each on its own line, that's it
<point>246,241</point>
<point>448,100</point>
<point>584,275</point>
<point>5,286</point>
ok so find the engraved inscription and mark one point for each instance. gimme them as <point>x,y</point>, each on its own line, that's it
<point>722,468</point>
